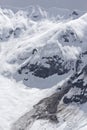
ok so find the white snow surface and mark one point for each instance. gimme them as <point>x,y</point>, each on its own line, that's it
<point>44,34</point>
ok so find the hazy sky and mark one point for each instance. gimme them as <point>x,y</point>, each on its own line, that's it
<point>70,4</point>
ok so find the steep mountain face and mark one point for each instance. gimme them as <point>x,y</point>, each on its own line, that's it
<point>79,89</point>
<point>56,52</point>
<point>46,54</point>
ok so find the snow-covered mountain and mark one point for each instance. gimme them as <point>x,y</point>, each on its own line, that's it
<point>43,69</point>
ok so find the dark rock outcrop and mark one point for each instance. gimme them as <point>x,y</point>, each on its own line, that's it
<point>56,66</point>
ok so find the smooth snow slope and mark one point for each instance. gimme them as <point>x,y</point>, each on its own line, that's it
<point>20,33</point>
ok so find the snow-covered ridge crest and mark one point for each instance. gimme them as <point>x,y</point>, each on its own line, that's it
<point>16,24</point>
<point>12,25</point>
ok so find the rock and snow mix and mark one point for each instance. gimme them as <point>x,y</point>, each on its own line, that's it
<point>41,56</point>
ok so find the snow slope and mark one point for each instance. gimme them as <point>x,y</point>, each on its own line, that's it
<point>39,52</point>
<point>15,99</point>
